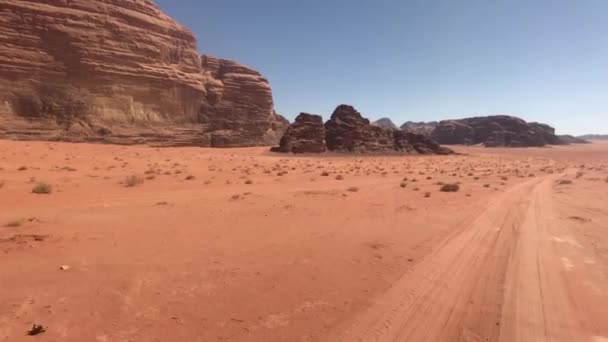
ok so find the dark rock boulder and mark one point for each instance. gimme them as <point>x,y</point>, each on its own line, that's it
<point>305,135</point>
<point>348,131</point>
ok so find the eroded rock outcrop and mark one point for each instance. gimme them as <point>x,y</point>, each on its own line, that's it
<point>348,131</point>
<point>305,135</point>
<point>124,72</point>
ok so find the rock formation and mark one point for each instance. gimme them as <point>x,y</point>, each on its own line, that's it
<point>494,131</point>
<point>348,131</point>
<point>569,139</point>
<point>424,128</point>
<point>122,71</point>
<point>305,135</point>
<point>385,123</point>
<point>594,137</point>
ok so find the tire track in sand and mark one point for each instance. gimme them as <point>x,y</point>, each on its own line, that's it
<point>497,279</point>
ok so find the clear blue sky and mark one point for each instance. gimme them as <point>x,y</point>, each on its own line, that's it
<point>422,60</point>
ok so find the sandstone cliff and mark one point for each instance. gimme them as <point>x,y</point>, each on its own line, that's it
<point>122,71</point>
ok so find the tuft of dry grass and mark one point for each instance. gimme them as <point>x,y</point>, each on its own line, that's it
<point>427,194</point>
<point>324,174</point>
<point>353,189</point>
<point>22,168</point>
<point>42,189</point>
<point>339,177</point>
<point>564,182</point>
<point>190,177</point>
<point>249,182</point>
<point>133,180</point>
<point>449,188</point>
<point>14,223</point>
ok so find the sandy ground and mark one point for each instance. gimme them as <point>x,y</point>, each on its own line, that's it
<point>244,245</point>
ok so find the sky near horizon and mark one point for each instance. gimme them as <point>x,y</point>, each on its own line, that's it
<point>419,60</point>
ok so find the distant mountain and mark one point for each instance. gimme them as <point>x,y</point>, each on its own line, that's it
<point>569,139</point>
<point>425,128</point>
<point>386,123</point>
<point>594,137</point>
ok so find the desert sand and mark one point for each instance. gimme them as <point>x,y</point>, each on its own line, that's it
<point>191,244</point>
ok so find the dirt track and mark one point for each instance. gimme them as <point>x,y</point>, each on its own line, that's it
<point>500,277</point>
<point>260,247</point>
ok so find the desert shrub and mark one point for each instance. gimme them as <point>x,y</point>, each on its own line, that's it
<point>42,188</point>
<point>14,224</point>
<point>190,177</point>
<point>339,177</point>
<point>324,174</point>
<point>133,180</point>
<point>427,194</point>
<point>564,182</point>
<point>450,187</point>
<point>249,182</point>
<point>353,189</point>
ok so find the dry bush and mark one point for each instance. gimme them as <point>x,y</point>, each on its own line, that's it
<point>133,180</point>
<point>339,177</point>
<point>22,168</point>
<point>486,185</point>
<point>249,182</point>
<point>450,187</point>
<point>427,194</point>
<point>190,177</point>
<point>353,189</point>
<point>14,224</point>
<point>324,174</point>
<point>564,182</point>
<point>42,189</point>
<point>403,184</point>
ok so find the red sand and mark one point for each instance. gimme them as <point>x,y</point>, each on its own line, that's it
<point>301,256</point>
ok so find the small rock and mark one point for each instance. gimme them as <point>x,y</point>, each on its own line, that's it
<point>64,267</point>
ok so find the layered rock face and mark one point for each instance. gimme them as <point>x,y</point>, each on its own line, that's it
<point>348,131</point>
<point>305,135</point>
<point>239,107</point>
<point>122,71</point>
<point>494,131</point>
